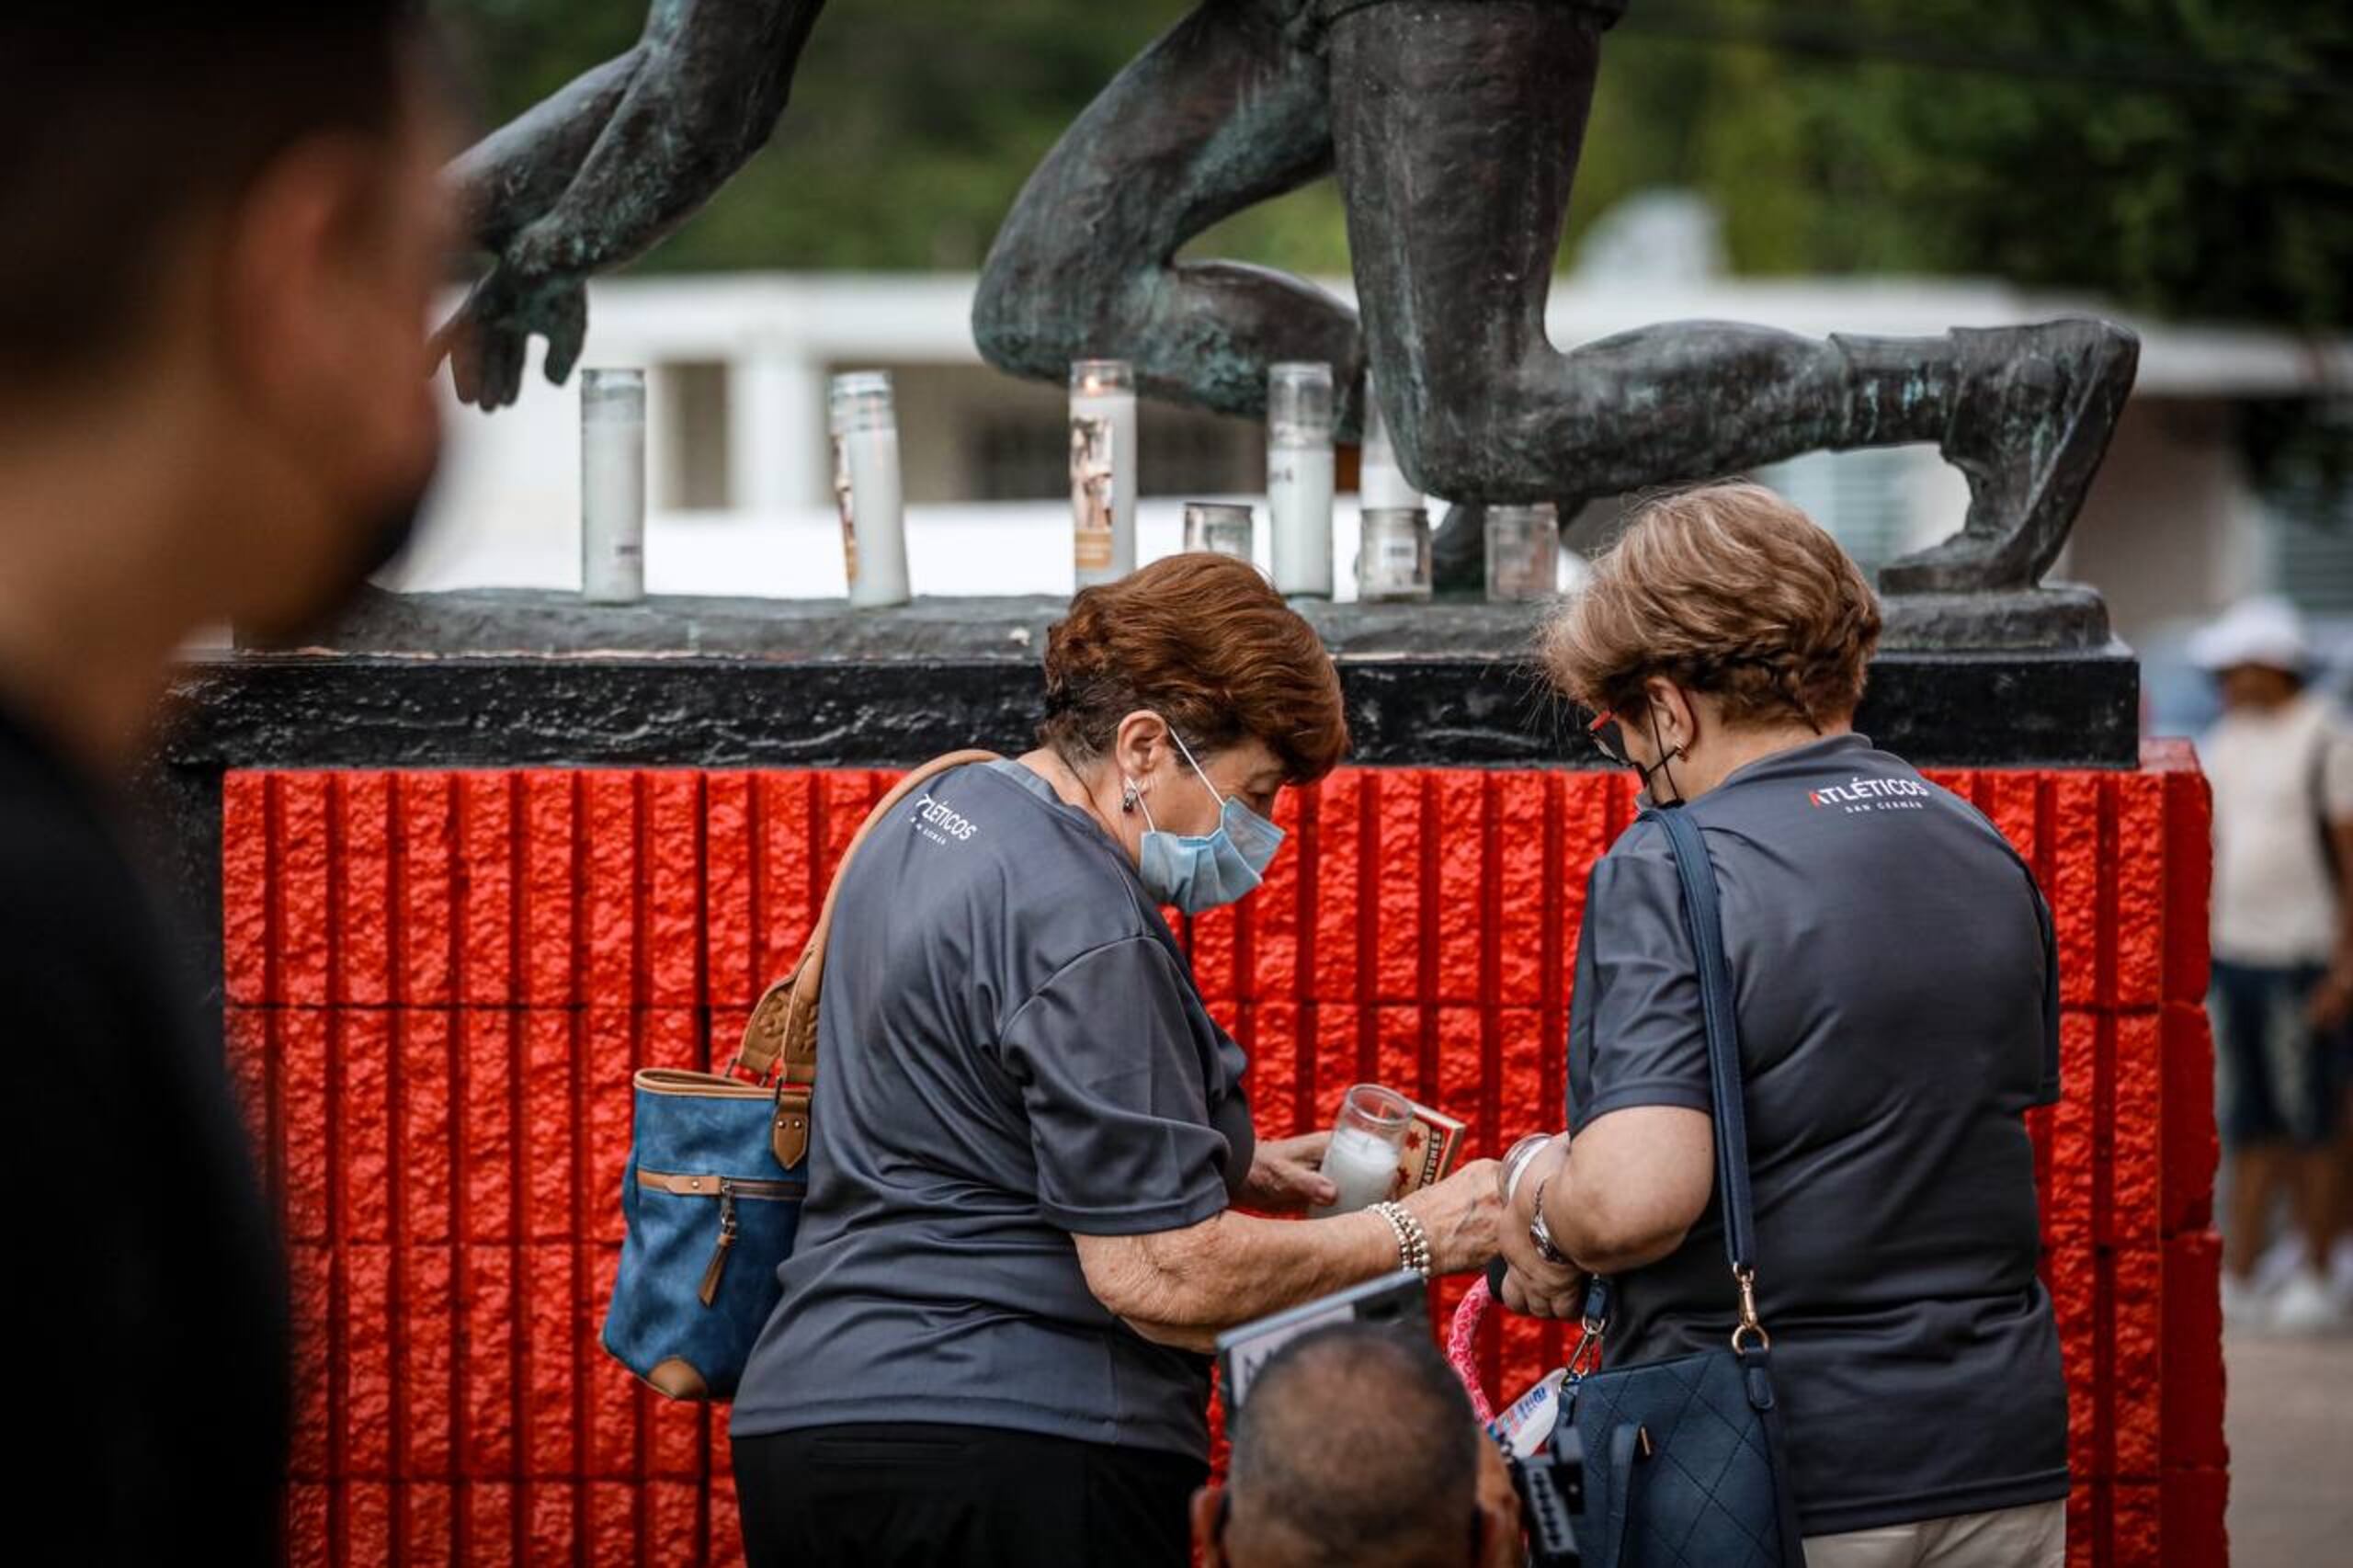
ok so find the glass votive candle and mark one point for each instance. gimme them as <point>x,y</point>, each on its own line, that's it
<point>1523,553</point>
<point>1393,554</point>
<point>1220,528</point>
<point>1367,1142</point>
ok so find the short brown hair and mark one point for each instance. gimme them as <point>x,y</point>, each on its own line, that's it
<point>1726,589</point>
<point>123,122</point>
<point>1203,641</point>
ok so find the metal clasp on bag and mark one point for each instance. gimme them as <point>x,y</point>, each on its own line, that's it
<point>1746,1279</point>
<point>1590,1339</point>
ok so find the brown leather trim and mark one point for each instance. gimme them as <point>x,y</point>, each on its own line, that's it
<point>688,1185</point>
<point>683,1081</point>
<point>678,1378</point>
<point>791,1139</point>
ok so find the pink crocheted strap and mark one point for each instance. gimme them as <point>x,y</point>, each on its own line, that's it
<point>1462,1349</point>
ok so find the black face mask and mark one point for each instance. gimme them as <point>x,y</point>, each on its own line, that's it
<point>381,543</point>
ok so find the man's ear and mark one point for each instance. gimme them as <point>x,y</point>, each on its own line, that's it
<point>1206,1540</point>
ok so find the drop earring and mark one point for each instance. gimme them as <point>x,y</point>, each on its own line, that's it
<point>1128,797</point>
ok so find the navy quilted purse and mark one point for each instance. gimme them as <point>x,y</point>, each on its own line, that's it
<point>1683,1457</point>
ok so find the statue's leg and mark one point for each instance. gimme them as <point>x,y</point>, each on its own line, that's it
<point>1457,127</point>
<point>1222,112</point>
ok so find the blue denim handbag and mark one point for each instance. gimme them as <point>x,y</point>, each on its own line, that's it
<point>717,1171</point>
<point>1683,1457</point>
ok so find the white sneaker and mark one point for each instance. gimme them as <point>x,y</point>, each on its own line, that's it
<point>2306,1306</point>
<point>2279,1263</point>
<point>2244,1303</point>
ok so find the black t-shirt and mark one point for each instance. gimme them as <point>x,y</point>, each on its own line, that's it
<point>152,1350</point>
<point>1897,991</point>
<point>1010,1050</point>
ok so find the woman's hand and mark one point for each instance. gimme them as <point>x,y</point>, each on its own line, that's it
<point>1285,1175</point>
<point>1460,1215</point>
<point>1533,1286</point>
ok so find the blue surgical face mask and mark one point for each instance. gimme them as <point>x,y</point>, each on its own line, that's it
<point>1196,872</point>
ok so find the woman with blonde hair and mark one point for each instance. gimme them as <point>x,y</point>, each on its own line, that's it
<point>1895,989</point>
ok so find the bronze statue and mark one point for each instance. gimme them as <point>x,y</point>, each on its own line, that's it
<point>1453,127</point>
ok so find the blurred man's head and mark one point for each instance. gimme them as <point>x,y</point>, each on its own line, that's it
<point>223,229</point>
<point>1358,1446</point>
<point>2256,651</point>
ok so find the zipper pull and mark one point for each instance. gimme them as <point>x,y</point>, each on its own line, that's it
<point>718,1264</point>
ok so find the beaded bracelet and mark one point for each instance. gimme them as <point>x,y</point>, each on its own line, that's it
<point>1413,1242</point>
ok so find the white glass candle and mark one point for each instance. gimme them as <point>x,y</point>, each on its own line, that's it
<point>1103,468</point>
<point>612,486</point>
<point>1393,554</point>
<point>1380,481</point>
<point>1523,553</point>
<point>1299,477</point>
<point>866,488</point>
<point>1361,1159</point>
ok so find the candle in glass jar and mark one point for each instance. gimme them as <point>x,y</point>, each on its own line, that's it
<point>865,429</point>
<point>1523,551</point>
<point>1103,468</point>
<point>612,486</point>
<point>1393,554</point>
<point>1361,1159</point>
<point>1380,481</point>
<point>1299,477</point>
<point>1220,528</point>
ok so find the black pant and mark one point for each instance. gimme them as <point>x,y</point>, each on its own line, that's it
<point>897,1495</point>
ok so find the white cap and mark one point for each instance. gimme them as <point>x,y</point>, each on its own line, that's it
<point>2264,630</point>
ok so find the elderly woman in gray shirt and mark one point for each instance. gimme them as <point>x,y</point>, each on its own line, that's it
<point>1897,998</point>
<point>1030,1136</point>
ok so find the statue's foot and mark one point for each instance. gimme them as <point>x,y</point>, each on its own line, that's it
<point>2033,411</point>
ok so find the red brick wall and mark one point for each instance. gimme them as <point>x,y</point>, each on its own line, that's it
<point>439,984</point>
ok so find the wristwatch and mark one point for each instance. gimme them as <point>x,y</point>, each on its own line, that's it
<point>1542,1233</point>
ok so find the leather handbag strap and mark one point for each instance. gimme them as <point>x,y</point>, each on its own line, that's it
<point>1703,918</point>
<point>782,1032</point>
<point>1702,913</point>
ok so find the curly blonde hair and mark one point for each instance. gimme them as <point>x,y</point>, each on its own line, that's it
<point>1725,589</point>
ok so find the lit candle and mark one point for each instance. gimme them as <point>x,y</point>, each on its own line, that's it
<point>1523,551</point>
<point>1103,468</point>
<point>612,486</point>
<point>865,489</point>
<point>1380,481</point>
<point>1299,477</point>
<point>1361,1159</point>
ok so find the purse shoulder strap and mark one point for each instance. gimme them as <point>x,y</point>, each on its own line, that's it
<point>783,1029</point>
<point>1704,914</point>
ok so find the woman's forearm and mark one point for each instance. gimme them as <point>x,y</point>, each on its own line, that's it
<point>1186,1287</point>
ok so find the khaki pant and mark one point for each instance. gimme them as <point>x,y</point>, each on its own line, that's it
<point>2032,1537</point>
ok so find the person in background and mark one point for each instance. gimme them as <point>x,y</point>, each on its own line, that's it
<point>223,233</point>
<point>2281,763</point>
<point>1359,1446</point>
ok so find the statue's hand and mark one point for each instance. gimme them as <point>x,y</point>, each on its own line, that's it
<point>486,339</point>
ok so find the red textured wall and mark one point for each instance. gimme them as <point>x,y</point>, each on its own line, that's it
<point>439,983</point>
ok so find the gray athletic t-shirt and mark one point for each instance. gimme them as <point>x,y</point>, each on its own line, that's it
<point>1897,991</point>
<point>1010,1050</point>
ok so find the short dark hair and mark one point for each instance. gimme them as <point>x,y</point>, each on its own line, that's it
<point>120,122</point>
<point>1358,1444</point>
<point>1202,640</point>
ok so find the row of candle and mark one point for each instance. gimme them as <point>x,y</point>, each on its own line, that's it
<point>1393,554</point>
